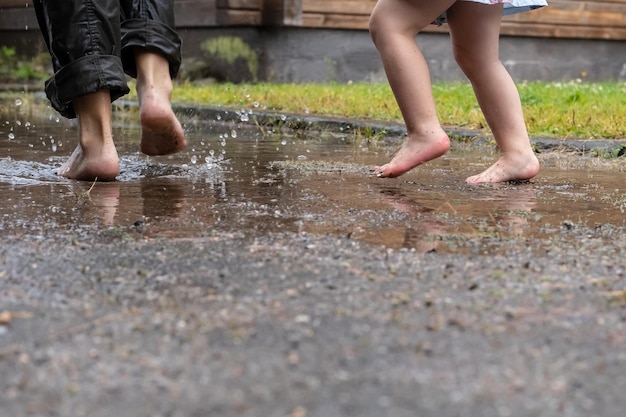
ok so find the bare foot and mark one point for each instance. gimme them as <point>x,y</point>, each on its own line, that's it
<point>414,151</point>
<point>508,168</point>
<point>101,164</point>
<point>95,156</point>
<point>161,132</point>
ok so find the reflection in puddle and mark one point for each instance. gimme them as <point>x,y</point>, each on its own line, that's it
<point>233,179</point>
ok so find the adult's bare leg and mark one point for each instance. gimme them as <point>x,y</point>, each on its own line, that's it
<point>475,31</point>
<point>95,157</point>
<point>161,132</point>
<point>393,26</point>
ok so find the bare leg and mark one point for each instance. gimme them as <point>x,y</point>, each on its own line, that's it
<point>95,157</point>
<point>393,26</point>
<point>161,132</point>
<point>475,31</point>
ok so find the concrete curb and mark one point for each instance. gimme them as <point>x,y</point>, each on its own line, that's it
<point>390,131</point>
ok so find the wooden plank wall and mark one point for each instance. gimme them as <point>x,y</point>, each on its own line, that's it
<point>585,19</point>
<point>17,15</point>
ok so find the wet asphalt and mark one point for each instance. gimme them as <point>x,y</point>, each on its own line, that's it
<point>99,323</point>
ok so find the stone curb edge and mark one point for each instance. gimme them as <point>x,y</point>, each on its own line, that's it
<point>390,131</point>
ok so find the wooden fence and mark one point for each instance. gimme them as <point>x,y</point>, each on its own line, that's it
<point>583,19</point>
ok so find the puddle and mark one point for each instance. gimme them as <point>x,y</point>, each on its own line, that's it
<point>237,179</point>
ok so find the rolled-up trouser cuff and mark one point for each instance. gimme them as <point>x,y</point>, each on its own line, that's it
<point>86,75</point>
<point>153,36</point>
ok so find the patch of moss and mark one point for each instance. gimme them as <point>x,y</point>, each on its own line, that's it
<point>17,68</point>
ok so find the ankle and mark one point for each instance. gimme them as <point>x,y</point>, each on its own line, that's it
<point>94,126</point>
<point>153,75</point>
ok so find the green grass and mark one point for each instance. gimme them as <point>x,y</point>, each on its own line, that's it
<point>562,110</point>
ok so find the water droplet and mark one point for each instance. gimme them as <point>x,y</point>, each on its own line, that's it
<point>302,158</point>
<point>18,102</point>
<point>27,124</point>
<point>283,142</point>
<point>233,133</point>
<point>283,117</point>
<point>256,104</point>
<point>244,117</point>
<point>54,147</point>
<point>194,159</point>
<point>11,136</point>
<point>218,118</point>
<point>17,122</point>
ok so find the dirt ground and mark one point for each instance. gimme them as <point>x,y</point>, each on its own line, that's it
<point>100,320</point>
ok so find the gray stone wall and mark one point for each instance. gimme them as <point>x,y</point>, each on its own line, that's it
<point>318,55</point>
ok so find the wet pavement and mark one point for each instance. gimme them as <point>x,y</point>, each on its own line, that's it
<point>265,272</point>
<point>240,179</point>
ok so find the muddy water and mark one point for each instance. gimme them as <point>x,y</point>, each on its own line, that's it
<point>246,181</point>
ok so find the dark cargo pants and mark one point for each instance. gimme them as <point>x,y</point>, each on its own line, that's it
<point>91,43</point>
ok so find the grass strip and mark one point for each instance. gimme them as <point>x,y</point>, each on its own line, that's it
<point>552,109</point>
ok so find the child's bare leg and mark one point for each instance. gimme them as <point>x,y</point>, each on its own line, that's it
<point>475,31</point>
<point>161,132</point>
<point>393,26</point>
<point>95,157</point>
